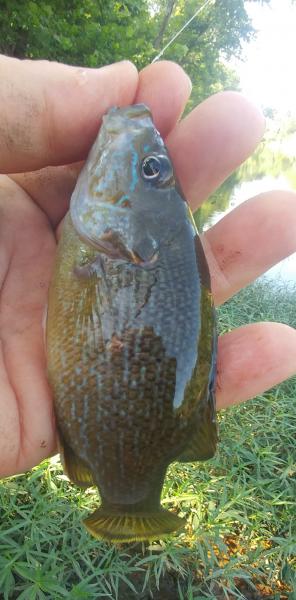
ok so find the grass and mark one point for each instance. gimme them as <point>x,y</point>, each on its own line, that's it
<point>240,541</point>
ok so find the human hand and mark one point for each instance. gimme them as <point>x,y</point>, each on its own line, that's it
<point>49,115</point>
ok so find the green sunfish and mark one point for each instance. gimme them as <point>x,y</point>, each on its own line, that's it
<point>131,335</point>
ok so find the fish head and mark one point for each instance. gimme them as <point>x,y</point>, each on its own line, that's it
<point>127,202</point>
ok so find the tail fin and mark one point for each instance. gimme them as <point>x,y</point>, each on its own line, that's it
<point>138,527</point>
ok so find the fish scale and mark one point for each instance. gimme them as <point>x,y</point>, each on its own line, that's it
<point>131,331</point>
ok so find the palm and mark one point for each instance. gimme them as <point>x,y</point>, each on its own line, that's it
<point>251,359</point>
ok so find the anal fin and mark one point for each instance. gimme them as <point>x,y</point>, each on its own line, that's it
<point>73,466</point>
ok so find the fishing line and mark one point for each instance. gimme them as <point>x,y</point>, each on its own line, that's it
<point>199,10</point>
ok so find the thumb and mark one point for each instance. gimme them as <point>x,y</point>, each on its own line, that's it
<point>50,112</point>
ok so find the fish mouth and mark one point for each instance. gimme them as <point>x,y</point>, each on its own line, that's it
<point>132,112</point>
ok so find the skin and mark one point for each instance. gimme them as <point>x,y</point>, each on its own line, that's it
<point>49,116</point>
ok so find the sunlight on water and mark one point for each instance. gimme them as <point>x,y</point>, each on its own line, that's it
<point>248,189</point>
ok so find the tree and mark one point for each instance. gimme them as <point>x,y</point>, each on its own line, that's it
<point>97,32</point>
<point>89,33</point>
<point>213,37</point>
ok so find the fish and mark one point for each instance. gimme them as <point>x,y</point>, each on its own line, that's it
<point>131,331</point>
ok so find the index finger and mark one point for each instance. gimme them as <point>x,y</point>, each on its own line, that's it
<point>44,106</point>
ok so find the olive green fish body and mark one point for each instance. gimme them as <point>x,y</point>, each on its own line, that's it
<point>131,331</point>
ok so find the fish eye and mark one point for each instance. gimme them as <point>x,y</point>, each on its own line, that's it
<point>151,167</point>
<point>156,168</point>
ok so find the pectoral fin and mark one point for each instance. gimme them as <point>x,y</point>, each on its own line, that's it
<point>74,467</point>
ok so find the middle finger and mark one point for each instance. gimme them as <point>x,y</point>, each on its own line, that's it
<point>249,240</point>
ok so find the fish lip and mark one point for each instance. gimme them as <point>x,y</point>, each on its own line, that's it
<point>133,117</point>
<point>130,112</point>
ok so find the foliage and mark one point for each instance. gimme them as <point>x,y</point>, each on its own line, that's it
<point>91,33</point>
<point>218,202</point>
<point>275,155</point>
<point>213,37</point>
<point>274,158</point>
<point>240,505</point>
<point>97,32</point>
<point>240,540</point>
